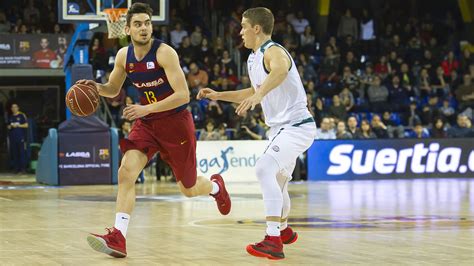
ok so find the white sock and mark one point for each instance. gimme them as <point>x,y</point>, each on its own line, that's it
<point>215,188</point>
<point>283,225</point>
<point>121,222</point>
<point>273,228</point>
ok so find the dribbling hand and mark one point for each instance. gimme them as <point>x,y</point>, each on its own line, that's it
<point>87,82</point>
<point>207,93</point>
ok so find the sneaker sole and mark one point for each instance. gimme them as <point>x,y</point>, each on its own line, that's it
<point>98,244</point>
<point>260,254</point>
<point>292,240</point>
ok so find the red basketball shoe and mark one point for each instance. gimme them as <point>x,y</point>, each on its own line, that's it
<point>113,243</point>
<point>222,197</point>
<point>288,236</point>
<point>271,247</point>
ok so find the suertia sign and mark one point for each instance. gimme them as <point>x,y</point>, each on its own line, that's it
<point>397,158</point>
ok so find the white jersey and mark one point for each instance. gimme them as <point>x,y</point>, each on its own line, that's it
<point>284,104</point>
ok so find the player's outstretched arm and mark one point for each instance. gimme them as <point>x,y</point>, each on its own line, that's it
<point>117,77</point>
<point>228,96</point>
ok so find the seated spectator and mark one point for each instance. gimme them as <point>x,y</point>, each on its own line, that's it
<point>378,96</point>
<point>308,70</point>
<point>379,128</point>
<point>465,93</point>
<point>244,83</point>
<point>406,77</point>
<point>222,132</point>
<point>337,109</point>
<point>428,62</point>
<point>205,52</point>
<point>320,110</point>
<point>332,42</point>
<point>449,64</point>
<point>197,112</point>
<point>341,132</point>
<point>196,36</point>
<point>251,131</point>
<point>307,39</point>
<point>349,44</point>
<point>466,59</point>
<point>413,114</point>
<point>351,81</point>
<point>186,51</point>
<point>210,133</point>
<point>454,80</point>
<point>424,87</point>
<point>197,78</point>
<point>228,63</point>
<point>214,111</point>
<point>365,131</point>
<point>97,55</point>
<point>332,123</point>
<point>461,129</point>
<point>329,65</point>
<point>4,24</point>
<point>125,129</point>
<point>399,95</point>
<point>430,110</point>
<point>439,129</point>
<point>382,67</point>
<point>394,130</point>
<point>439,85</point>
<point>347,99</point>
<point>394,63</point>
<point>309,100</point>
<point>419,132</point>
<point>215,76</point>
<point>163,34</point>
<point>352,126</point>
<point>447,111</point>
<point>351,61</point>
<point>177,35</point>
<point>367,79</point>
<point>324,131</point>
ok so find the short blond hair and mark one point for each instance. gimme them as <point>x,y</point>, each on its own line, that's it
<point>261,16</point>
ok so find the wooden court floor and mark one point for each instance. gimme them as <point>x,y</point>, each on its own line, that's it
<point>389,222</point>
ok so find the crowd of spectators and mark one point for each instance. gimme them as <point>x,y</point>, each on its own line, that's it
<point>366,78</point>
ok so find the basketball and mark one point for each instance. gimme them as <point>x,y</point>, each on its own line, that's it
<point>82,99</point>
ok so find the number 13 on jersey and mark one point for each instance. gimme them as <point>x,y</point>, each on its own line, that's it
<point>150,96</point>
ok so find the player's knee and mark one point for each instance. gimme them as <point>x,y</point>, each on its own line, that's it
<point>127,174</point>
<point>259,169</point>
<point>265,166</point>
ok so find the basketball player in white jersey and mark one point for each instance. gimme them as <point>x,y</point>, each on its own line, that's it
<point>276,85</point>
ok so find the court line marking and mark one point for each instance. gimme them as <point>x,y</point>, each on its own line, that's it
<point>86,228</point>
<point>5,199</point>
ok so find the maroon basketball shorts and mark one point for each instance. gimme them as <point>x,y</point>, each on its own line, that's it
<point>173,136</point>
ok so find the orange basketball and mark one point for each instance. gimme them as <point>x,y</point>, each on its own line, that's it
<point>82,99</point>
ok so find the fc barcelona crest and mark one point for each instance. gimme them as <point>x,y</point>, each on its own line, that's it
<point>104,154</point>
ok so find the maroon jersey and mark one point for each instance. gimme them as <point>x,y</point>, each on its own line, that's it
<point>150,79</point>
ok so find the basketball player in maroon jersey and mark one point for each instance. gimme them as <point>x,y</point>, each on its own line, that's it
<point>162,124</point>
